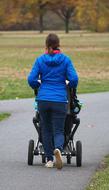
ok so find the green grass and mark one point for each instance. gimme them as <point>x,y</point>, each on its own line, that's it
<point>101,179</point>
<point>14,89</point>
<point>4,116</point>
<point>18,51</point>
<point>92,86</point>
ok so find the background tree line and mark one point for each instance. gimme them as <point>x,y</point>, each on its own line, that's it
<point>57,15</point>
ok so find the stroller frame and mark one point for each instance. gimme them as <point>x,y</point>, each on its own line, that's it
<point>71,149</point>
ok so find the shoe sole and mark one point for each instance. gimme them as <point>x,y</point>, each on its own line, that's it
<point>58,157</point>
<point>49,165</point>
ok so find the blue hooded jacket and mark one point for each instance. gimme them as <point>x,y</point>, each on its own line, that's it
<point>53,70</point>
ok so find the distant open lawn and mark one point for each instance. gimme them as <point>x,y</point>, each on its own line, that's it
<point>18,50</point>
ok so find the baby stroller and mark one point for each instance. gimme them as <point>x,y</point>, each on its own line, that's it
<point>71,149</point>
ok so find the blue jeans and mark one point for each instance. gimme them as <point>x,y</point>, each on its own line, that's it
<point>52,119</point>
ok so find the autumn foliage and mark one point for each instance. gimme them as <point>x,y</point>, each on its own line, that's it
<point>87,14</point>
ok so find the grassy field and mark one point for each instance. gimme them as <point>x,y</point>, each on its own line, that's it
<point>101,179</point>
<point>89,52</point>
<point>18,50</point>
<point>4,116</point>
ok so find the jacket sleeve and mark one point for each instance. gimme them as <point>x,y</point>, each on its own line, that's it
<point>34,76</point>
<point>72,76</point>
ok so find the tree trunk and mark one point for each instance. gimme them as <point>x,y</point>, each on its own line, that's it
<point>97,14</point>
<point>41,23</point>
<point>67,25</point>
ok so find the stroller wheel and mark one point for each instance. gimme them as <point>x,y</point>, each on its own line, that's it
<point>78,153</point>
<point>30,152</point>
<point>43,159</point>
<point>68,159</point>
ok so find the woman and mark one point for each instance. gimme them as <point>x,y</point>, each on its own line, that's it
<point>53,68</point>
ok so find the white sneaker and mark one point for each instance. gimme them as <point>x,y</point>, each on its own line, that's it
<point>58,158</point>
<point>49,164</point>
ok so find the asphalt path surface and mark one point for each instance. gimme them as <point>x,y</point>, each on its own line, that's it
<point>17,130</point>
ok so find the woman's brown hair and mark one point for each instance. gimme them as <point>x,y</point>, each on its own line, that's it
<point>52,42</point>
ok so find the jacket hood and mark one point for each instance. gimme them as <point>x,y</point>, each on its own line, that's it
<point>53,59</point>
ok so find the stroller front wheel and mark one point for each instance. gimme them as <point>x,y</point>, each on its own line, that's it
<point>30,152</point>
<point>43,159</point>
<point>78,153</point>
<point>68,159</point>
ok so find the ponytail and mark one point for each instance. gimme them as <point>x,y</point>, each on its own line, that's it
<point>50,50</point>
<point>52,43</point>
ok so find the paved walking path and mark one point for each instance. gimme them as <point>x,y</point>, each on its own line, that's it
<point>16,131</point>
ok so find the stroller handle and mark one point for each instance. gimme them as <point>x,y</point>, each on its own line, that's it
<point>71,92</point>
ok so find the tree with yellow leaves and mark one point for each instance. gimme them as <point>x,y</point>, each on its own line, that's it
<point>38,9</point>
<point>65,9</point>
<point>93,15</point>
